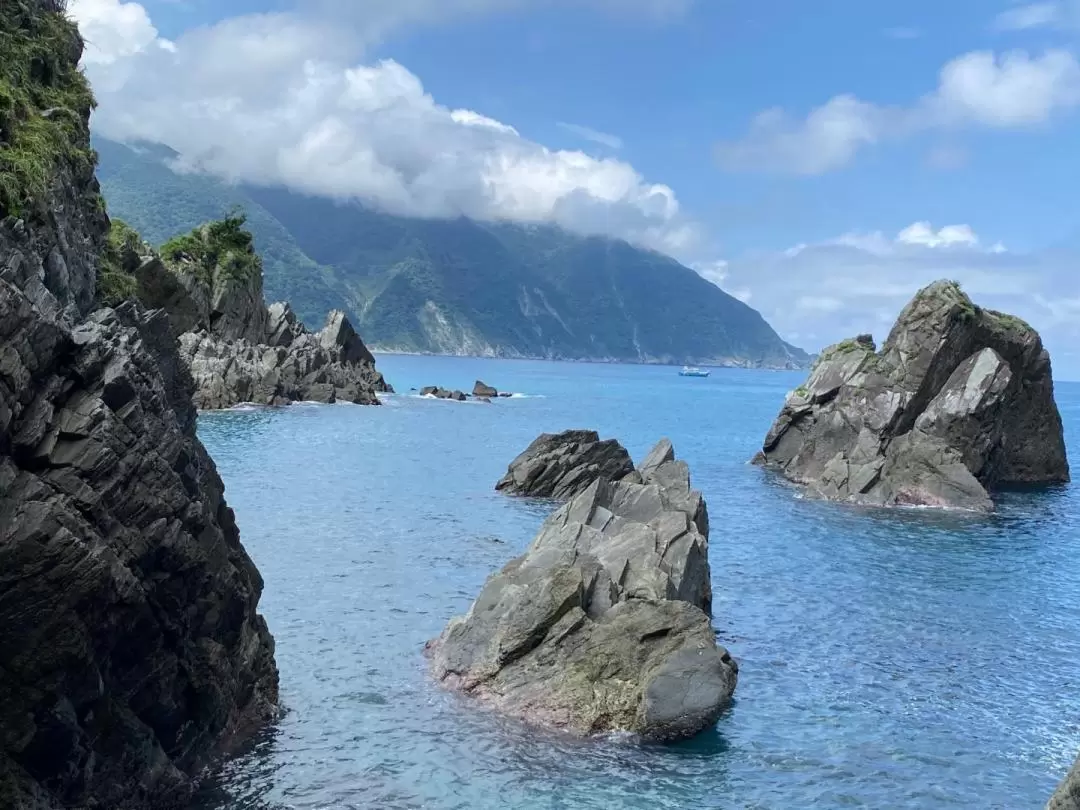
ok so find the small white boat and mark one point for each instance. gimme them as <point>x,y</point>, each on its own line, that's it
<point>693,372</point>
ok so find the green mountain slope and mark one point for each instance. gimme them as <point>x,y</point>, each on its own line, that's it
<point>455,286</point>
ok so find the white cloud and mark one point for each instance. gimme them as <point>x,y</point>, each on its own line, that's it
<point>474,119</point>
<point>979,89</point>
<point>818,294</point>
<point>594,135</point>
<point>1013,90</point>
<point>923,233</point>
<point>827,139</point>
<point>287,99</point>
<point>114,30</point>
<point>1032,15</point>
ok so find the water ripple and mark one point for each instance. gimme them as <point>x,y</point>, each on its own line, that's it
<point>905,659</point>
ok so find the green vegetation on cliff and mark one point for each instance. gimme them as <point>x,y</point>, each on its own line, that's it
<point>44,100</point>
<point>116,279</point>
<point>223,245</point>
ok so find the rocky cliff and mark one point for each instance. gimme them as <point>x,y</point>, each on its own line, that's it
<point>130,646</point>
<point>210,282</point>
<point>958,403</point>
<point>603,624</point>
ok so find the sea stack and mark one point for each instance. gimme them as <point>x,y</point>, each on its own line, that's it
<point>603,625</point>
<point>131,650</point>
<point>958,403</point>
<point>210,282</point>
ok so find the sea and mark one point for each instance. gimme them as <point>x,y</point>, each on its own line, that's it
<point>888,658</point>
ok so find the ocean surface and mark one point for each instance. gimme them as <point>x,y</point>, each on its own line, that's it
<point>889,659</point>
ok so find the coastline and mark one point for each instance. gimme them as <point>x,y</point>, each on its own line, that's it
<point>718,363</point>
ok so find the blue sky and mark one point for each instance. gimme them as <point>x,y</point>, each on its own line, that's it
<point>959,115</point>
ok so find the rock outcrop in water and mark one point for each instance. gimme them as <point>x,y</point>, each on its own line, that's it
<point>959,402</point>
<point>1067,795</point>
<point>564,464</point>
<point>130,646</point>
<point>482,389</point>
<point>238,349</point>
<point>603,625</point>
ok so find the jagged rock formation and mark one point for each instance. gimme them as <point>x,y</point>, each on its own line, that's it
<point>958,402</point>
<point>130,646</point>
<point>240,350</point>
<point>564,464</point>
<point>603,624</point>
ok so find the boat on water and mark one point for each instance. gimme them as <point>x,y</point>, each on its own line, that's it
<point>687,371</point>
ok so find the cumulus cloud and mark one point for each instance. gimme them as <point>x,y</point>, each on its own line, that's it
<point>978,89</point>
<point>115,30</point>
<point>818,294</point>
<point>287,99</point>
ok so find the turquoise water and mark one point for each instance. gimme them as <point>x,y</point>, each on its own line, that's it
<point>888,659</point>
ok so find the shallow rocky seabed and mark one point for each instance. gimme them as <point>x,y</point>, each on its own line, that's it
<point>901,659</point>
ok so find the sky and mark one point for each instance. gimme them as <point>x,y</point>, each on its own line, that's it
<point>819,160</point>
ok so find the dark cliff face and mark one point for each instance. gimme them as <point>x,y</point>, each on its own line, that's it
<point>130,646</point>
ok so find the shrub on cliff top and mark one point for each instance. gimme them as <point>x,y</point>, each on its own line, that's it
<point>45,101</point>
<point>224,245</point>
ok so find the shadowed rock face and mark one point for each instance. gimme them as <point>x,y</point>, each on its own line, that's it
<point>130,646</point>
<point>958,402</point>
<point>564,464</point>
<point>603,625</point>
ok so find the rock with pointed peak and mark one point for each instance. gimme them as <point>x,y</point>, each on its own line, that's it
<point>958,403</point>
<point>603,625</point>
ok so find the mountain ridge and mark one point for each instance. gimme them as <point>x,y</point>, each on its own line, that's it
<point>455,286</point>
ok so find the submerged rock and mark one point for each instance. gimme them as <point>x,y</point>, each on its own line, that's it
<point>959,402</point>
<point>603,624</point>
<point>564,464</point>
